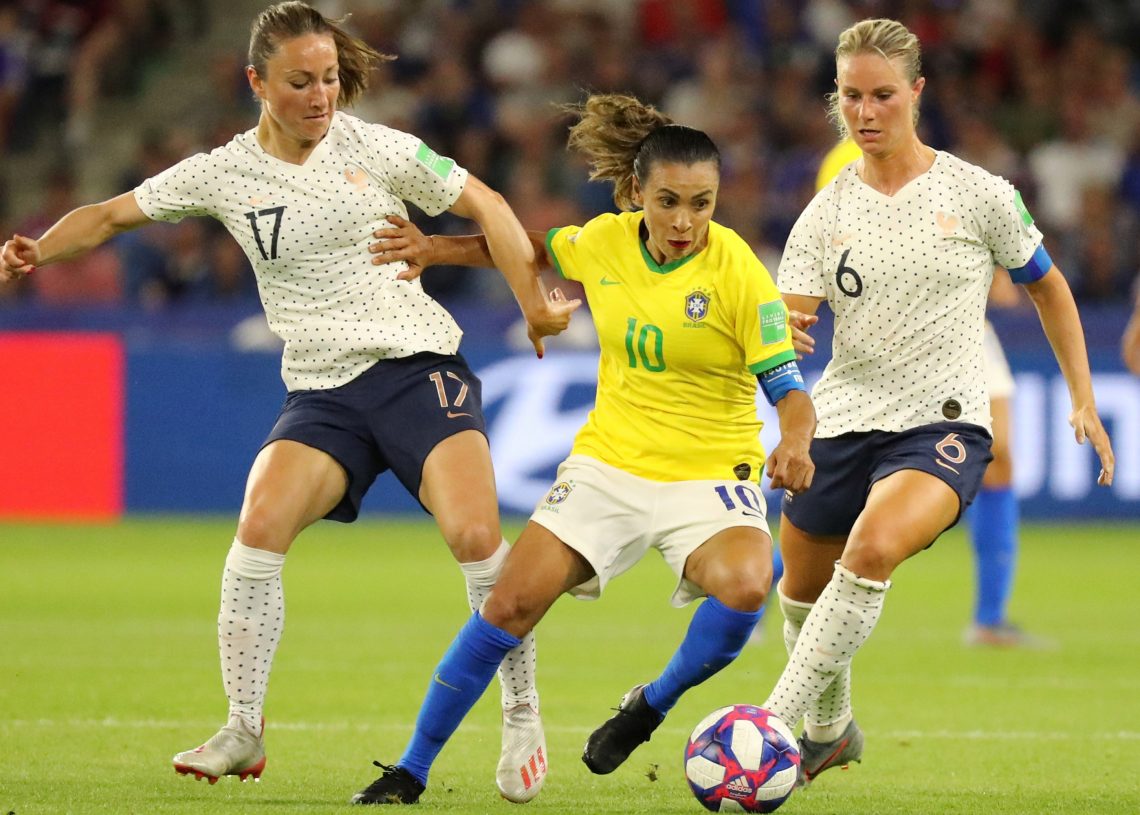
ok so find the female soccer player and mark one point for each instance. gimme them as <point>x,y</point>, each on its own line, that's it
<point>669,459</point>
<point>902,245</point>
<point>370,361</point>
<point>993,518</point>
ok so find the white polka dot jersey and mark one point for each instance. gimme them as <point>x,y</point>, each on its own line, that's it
<point>306,230</point>
<point>907,277</point>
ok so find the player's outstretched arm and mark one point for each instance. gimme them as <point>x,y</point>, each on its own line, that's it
<point>789,465</point>
<point>404,241</point>
<point>513,254</point>
<point>1062,323</point>
<point>79,231</point>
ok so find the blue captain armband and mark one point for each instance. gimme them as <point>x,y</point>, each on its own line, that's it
<point>780,381</point>
<point>1037,267</point>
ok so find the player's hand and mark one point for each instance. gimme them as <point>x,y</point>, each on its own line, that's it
<point>19,258</point>
<point>402,241</point>
<point>790,466</point>
<point>551,318</point>
<point>1086,425</point>
<point>802,342</point>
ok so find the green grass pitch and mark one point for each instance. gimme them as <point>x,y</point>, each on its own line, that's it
<point>108,666</point>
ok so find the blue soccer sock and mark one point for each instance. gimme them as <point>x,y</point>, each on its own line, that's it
<point>459,680</point>
<point>993,532</point>
<point>716,635</point>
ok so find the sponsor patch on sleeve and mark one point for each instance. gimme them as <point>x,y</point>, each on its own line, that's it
<point>1026,218</point>
<point>773,322</point>
<point>440,165</point>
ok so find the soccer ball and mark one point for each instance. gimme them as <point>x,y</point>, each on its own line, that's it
<point>742,758</point>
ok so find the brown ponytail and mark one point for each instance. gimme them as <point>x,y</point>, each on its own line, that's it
<point>622,137</point>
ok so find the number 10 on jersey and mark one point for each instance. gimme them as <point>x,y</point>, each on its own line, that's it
<point>652,358</point>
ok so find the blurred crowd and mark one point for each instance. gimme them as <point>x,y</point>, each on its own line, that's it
<point>1043,92</point>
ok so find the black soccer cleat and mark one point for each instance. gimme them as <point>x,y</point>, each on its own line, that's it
<point>610,745</point>
<point>394,786</point>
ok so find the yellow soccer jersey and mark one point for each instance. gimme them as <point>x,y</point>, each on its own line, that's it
<point>681,345</point>
<point>836,159</point>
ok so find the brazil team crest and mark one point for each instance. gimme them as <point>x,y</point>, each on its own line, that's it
<point>558,493</point>
<point>697,305</point>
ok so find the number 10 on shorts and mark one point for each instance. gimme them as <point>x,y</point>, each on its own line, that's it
<point>746,494</point>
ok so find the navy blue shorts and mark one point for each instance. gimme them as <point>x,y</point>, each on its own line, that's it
<point>847,466</point>
<point>388,418</point>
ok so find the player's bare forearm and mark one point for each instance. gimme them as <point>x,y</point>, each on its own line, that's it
<point>1057,311</point>
<point>790,466</point>
<point>82,229</point>
<point>513,252</point>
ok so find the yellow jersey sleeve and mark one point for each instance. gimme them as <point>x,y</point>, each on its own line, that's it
<point>761,323</point>
<point>574,250</point>
<point>562,247</point>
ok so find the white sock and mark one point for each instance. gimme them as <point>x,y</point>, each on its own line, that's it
<point>250,621</point>
<point>828,716</point>
<point>837,626</point>
<point>516,673</point>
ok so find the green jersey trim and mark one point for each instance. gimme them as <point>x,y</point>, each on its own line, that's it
<point>664,268</point>
<point>550,251</point>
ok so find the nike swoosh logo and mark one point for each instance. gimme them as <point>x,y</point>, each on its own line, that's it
<point>440,681</point>
<point>942,463</point>
<point>453,415</point>
<point>605,281</point>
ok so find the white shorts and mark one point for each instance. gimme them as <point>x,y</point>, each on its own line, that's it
<point>612,518</point>
<point>999,380</point>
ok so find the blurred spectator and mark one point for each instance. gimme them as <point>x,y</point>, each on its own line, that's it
<point>15,41</point>
<point>1100,256</point>
<point>1063,168</point>
<point>1043,93</point>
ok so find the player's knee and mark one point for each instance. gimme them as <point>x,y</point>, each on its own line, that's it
<point>473,540</point>
<point>871,555</point>
<point>509,611</point>
<point>262,530</point>
<point>742,586</point>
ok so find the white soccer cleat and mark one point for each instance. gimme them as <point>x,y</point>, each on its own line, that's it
<point>233,750</point>
<point>522,765</point>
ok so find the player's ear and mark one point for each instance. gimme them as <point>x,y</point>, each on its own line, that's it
<point>255,82</point>
<point>919,84</point>
<point>635,194</point>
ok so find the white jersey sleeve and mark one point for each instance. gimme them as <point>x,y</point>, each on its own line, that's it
<point>1008,227</point>
<point>179,191</point>
<point>306,230</point>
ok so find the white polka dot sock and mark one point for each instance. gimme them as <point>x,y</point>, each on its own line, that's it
<point>837,626</point>
<point>250,622</point>
<point>516,674</point>
<point>827,716</point>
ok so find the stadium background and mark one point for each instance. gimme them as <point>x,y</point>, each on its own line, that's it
<point>142,379</point>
